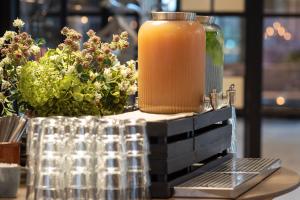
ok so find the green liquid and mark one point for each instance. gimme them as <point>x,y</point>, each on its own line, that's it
<point>214,61</point>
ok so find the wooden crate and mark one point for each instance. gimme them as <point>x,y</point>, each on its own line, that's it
<point>183,148</point>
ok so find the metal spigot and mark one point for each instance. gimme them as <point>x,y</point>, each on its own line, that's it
<point>231,95</point>
<point>136,103</point>
<point>206,103</point>
<point>214,99</point>
<point>224,99</point>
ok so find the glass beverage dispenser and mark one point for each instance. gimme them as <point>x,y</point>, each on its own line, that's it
<point>214,56</point>
<point>171,58</point>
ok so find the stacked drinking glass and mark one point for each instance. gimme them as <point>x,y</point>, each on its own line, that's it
<point>80,161</point>
<point>87,158</point>
<point>33,131</point>
<point>111,161</point>
<point>49,171</point>
<point>137,150</point>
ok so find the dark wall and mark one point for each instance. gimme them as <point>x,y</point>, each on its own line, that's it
<point>9,10</point>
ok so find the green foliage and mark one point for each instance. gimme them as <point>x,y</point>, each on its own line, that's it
<point>72,82</point>
<point>214,47</point>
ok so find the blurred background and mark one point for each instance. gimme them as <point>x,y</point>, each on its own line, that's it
<point>262,55</point>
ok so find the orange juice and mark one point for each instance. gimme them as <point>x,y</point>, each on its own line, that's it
<point>171,61</point>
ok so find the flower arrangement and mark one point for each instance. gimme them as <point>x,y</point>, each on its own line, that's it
<point>69,80</point>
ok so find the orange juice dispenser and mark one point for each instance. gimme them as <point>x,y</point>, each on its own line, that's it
<point>171,61</point>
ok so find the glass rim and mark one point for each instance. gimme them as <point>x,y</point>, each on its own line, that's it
<point>173,16</point>
<point>205,19</point>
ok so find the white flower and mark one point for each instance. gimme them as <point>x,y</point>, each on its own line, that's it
<point>18,23</point>
<point>5,84</point>
<point>97,85</point>
<point>18,69</point>
<point>5,61</point>
<point>124,85</point>
<point>2,64</point>
<point>117,66</point>
<point>132,89</point>
<point>93,75</point>
<point>98,96</point>
<point>70,70</point>
<point>9,35</point>
<point>35,49</point>
<point>2,40</point>
<point>131,64</point>
<point>135,75</point>
<point>125,72</point>
<point>53,57</point>
<point>107,73</point>
<point>1,72</point>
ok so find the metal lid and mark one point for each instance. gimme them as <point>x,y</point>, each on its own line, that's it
<point>174,16</point>
<point>205,19</point>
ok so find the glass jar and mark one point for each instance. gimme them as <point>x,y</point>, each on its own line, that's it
<point>214,55</point>
<point>171,58</point>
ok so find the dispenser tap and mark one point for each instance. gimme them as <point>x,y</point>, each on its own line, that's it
<point>231,95</point>
<point>214,99</point>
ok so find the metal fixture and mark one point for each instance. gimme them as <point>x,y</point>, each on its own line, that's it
<point>229,180</point>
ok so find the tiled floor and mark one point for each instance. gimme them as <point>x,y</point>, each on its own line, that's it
<point>280,139</point>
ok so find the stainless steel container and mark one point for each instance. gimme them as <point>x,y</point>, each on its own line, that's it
<point>9,180</point>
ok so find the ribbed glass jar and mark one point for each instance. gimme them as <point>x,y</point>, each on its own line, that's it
<point>214,55</point>
<point>171,61</point>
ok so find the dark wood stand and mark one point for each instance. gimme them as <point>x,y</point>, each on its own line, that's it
<point>183,148</point>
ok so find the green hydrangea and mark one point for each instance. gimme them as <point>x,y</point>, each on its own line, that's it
<point>39,83</point>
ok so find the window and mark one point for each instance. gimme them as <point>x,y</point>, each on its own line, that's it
<point>213,5</point>
<point>282,6</point>
<point>281,62</point>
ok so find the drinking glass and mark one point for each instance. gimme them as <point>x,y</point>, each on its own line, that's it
<point>80,160</point>
<point>33,131</point>
<point>49,185</point>
<point>138,180</point>
<point>135,132</point>
<point>80,184</point>
<point>111,184</point>
<point>49,172</point>
<point>111,160</point>
<point>138,184</point>
<point>50,139</point>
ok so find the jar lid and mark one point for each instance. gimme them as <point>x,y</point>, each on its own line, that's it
<point>205,19</point>
<point>174,16</point>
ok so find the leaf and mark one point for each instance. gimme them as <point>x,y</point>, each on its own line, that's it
<point>84,77</point>
<point>79,68</point>
<point>78,96</point>
<point>107,61</point>
<point>40,41</point>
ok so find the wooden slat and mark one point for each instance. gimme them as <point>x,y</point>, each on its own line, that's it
<point>170,128</point>
<point>212,142</point>
<point>168,166</point>
<point>206,119</point>
<point>175,149</point>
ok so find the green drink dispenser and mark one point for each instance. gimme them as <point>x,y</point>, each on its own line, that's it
<point>214,56</point>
